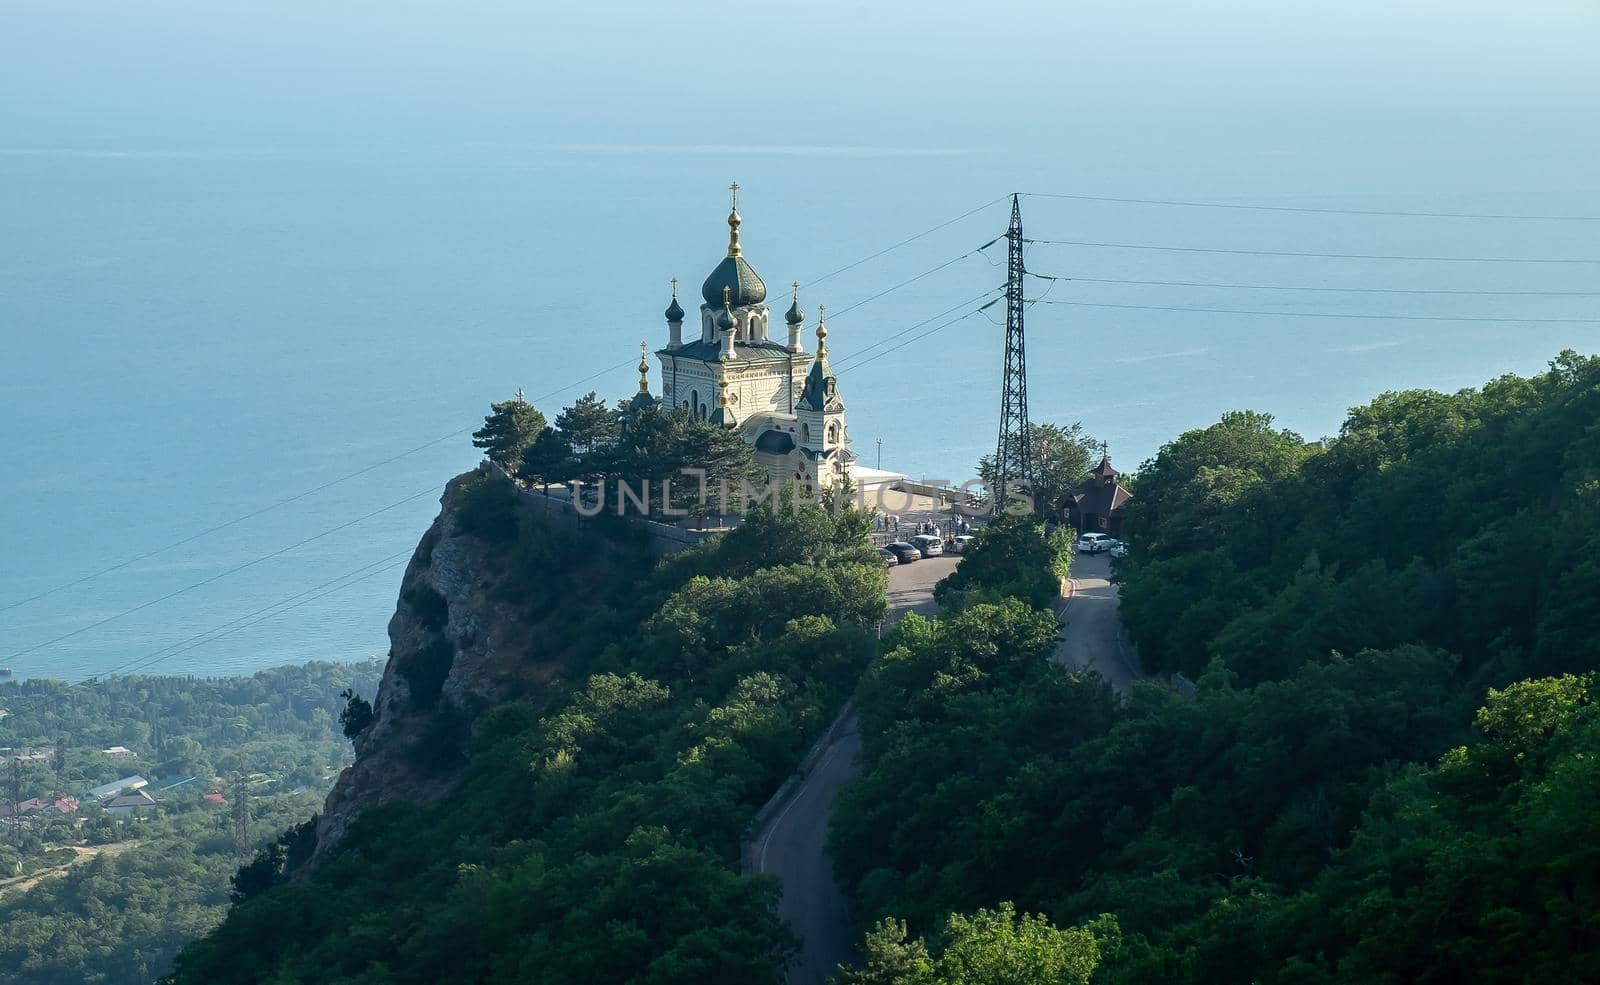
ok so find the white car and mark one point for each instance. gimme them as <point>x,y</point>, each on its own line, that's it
<point>1119,550</point>
<point>1094,543</point>
<point>928,544</point>
<point>962,543</point>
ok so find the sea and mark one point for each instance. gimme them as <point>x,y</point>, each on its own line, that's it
<point>261,271</point>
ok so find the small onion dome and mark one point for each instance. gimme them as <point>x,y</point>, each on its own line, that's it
<point>795,316</point>
<point>725,320</point>
<point>644,368</point>
<point>675,310</point>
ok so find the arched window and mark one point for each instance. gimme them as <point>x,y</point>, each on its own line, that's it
<point>694,402</point>
<point>805,434</point>
<point>833,432</point>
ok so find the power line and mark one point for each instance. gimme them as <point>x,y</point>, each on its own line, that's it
<point>217,577</point>
<point>1329,314</point>
<point>142,663</point>
<point>910,239</point>
<point>1314,211</point>
<point>855,357</point>
<point>1335,290</point>
<point>1292,253</point>
<point>917,338</point>
<point>289,499</point>
<point>263,614</point>
<point>904,283</point>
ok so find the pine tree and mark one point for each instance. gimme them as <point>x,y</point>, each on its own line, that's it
<point>510,427</point>
<point>589,423</point>
<point>548,460</point>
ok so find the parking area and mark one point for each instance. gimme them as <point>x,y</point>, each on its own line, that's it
<point>904,515</point>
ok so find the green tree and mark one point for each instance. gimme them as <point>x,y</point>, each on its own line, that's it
<point>991,947</point>
<point>589,424</point>
<point>508,429</point>
<point>548,459</point>
<point>1061,458</point>
<point>1012,556</point>
<point>356,715</point>
<point>1002,947</point>
<point>888,957</point>
<point>661,444</point>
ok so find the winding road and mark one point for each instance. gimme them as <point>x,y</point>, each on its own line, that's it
<point>791,845</point>
<point>1092,637</point>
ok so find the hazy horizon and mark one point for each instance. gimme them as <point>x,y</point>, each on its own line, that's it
<point>249,249</point>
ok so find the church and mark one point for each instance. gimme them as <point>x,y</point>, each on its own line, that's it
<point>730,370</point>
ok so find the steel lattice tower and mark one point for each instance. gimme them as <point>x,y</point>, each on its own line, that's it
<point>1013,459</point>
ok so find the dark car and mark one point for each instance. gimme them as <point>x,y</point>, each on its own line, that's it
<point>890,558</point>
<point>905,553</point>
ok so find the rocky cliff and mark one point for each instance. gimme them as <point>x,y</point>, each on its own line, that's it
<point>458,644</point>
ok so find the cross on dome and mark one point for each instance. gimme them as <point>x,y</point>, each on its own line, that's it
<point>733,271</point>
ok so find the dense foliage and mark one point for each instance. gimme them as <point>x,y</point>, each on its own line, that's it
<point>111,900</point>
<point>1010,557</point>
<point>645,450</point>
<point>594,830</point>
<point>120,917</point>
<point>1331,804</point>
<point>282,722</point>
<point>991,947</point>
<point>1468,521</point>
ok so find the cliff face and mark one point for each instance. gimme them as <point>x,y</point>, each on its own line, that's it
<point>454,650</point>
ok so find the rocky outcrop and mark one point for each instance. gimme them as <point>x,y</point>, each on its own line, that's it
<point>455,649</point>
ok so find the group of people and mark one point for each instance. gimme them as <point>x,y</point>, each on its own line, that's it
<point>890,523</point>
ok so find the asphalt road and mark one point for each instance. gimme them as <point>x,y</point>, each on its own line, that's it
<point>1092,638</point>
<point>791,845</point>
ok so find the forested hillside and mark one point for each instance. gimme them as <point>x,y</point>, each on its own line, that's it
<point>89,898</point>
<point>1388,772</point>
<point>592,830</point>
<point>282,721</point>
<point>1466,521</point>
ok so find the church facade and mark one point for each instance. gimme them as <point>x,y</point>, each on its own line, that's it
<point>725,365</point>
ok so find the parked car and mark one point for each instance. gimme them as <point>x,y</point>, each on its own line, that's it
<point>928,544</point>
<point>1119,550</point>
<point>1094,543</point>
<point>903,552</point>
<point>890,559</point>
<point>962,543</point>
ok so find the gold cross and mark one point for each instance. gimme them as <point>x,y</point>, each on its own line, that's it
<point>733,189</point>
<point>674,287</point>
